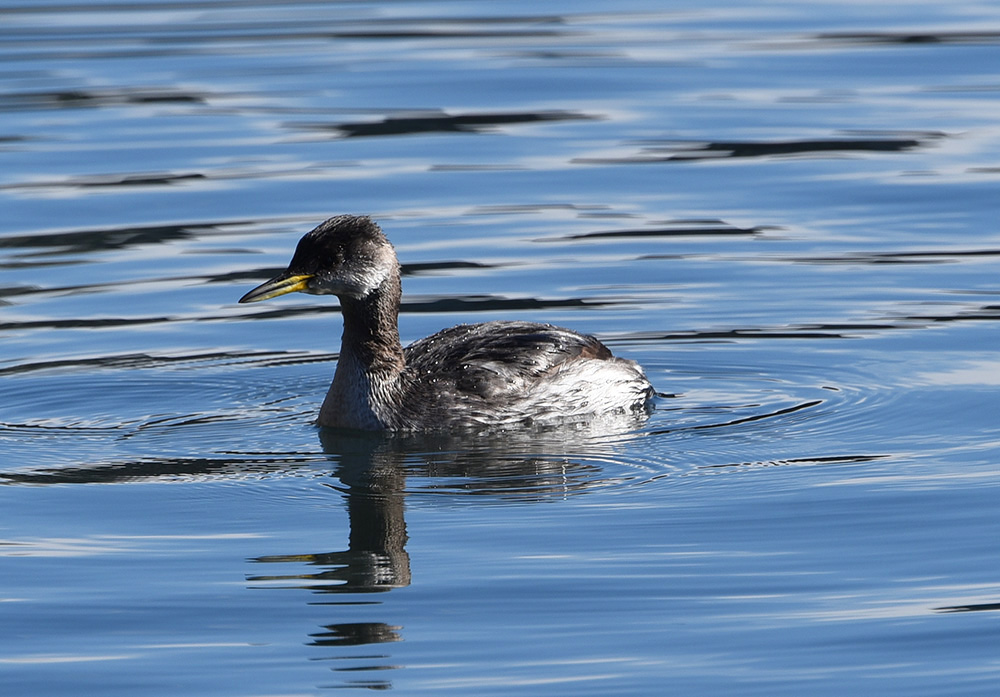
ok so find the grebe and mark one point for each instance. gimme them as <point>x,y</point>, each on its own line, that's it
<point>493,375</point>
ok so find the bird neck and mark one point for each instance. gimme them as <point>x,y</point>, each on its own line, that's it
<point>370,362</point>
<point>371,329</point>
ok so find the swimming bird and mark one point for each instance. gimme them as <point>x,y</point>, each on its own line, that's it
<point>492,375</point>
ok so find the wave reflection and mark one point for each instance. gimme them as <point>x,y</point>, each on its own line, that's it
<point>689,151</point>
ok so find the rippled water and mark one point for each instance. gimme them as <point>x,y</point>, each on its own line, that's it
<point>786,212</point>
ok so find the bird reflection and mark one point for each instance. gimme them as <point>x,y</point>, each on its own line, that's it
<point>372,470</point>
<point>356,634</point>
<point>375,559</point>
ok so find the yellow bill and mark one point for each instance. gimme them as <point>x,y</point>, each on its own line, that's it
<point>277,286</point>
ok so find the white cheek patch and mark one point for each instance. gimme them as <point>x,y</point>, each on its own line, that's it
<point>369,276</point>
<point>356,282</point>
<point>369,279</point>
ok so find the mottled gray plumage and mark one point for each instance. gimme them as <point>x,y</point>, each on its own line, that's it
<point>492,375</point>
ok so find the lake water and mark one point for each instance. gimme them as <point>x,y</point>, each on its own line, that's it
<point>786,212</point>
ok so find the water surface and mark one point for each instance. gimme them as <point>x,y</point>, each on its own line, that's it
<point>786,213</point>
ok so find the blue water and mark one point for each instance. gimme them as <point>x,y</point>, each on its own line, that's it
<point>785,212</point>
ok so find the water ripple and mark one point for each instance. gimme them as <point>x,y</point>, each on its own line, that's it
<point>714,417</point>
<point>423,123</point>
<point>680,151</point>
